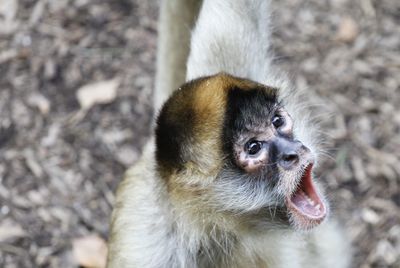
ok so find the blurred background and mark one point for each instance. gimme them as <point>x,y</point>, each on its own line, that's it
<point>75,109</point>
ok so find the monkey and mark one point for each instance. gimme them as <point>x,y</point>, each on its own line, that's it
<point>227,178</point>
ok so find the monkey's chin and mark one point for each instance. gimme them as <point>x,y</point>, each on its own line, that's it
<point>306,208</point>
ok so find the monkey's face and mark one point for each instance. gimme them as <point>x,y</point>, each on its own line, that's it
<point>273,168</point>
<point>229,144</point>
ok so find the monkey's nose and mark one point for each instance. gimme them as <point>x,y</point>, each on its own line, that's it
<point>288,159</point>
<point>287,152</point>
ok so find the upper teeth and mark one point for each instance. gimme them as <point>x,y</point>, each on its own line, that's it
<point>309,199</point>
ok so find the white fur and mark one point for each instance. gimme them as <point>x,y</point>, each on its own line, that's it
<point>147,231</point>
<point>177,18</point>
<point>232,37</point>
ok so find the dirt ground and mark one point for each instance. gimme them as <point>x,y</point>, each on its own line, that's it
<point>60,163</point>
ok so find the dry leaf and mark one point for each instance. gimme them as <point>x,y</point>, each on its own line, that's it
<point>370,216</point>
<point>37,12</point>
<point>41,102</point>
<point>8,9</point>
<point>10,229</point>
<point>8,55</point>
<point>8,12</point>
<point>348,30</point>
<point>100,92</point>
<point>90,251</point>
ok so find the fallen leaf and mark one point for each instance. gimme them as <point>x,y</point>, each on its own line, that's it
<point>37,12</point>
<point>41,102</point>
<point>8,12</point>
<point>32,163</point>
<point>9,230</point>
<point>348,30</point>
<point>8,55</point>
<point>99,92</point>
<point>370,216</point>
<point>90,251</point>
<point>8,9</point>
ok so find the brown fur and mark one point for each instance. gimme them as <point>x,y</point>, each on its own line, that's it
<point>200,106</point>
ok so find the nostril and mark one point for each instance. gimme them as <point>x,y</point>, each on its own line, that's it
<point>287,161</point>
<point>290,157</point>
<point>287,152</point>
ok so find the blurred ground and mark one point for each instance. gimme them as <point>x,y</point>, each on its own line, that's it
<point>59,164</point>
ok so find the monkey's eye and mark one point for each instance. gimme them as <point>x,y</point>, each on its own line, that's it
<point>278,121</point>
<point>253,147</point>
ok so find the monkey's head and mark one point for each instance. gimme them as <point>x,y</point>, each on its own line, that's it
<point>228,145</point>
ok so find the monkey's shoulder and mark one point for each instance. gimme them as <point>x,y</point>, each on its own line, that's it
<point>140,220</point>
<point>141,183</point>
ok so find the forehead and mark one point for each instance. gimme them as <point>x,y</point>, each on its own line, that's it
<point>225,107</point>
<point>239,100</point>
<point>227,102</point>
<point>250,109</point>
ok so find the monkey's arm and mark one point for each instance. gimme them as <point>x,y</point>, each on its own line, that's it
<point>141,233</point>
<point>177,18</point>
<point>232,37</point>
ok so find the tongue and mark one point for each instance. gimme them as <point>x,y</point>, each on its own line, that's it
<point>306,209</point>
<point>306,205</point>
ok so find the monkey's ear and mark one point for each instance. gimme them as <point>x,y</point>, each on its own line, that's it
<point>174,126</point>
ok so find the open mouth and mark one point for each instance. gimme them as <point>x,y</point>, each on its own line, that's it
<point>305,205</point>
